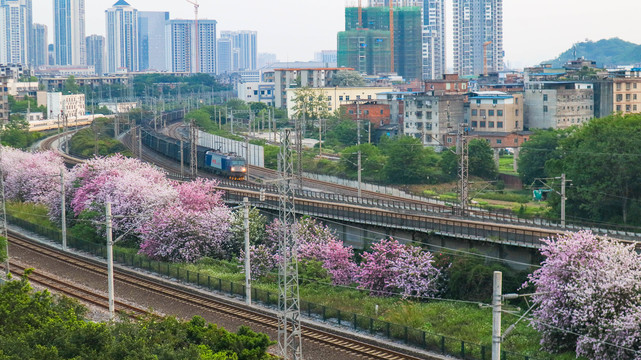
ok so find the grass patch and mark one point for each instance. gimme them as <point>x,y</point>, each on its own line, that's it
<point>506,165</point>
<point>33,213</point>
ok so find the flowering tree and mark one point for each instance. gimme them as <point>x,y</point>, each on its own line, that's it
<point>392,267</point>
<point>195,225</point>
<point>376,267</point>
<point>135,190</point>
<point>31,177</point>
<point>590,286</point>
<point>415,273</point>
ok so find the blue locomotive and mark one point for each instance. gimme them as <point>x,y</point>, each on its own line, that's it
<point>229,165</point>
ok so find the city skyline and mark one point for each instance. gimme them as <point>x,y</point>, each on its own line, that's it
<point>529,37</point>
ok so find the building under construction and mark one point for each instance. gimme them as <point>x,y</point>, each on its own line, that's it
<point>354,44</point>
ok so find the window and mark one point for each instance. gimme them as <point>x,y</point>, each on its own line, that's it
<point>516,100</point>
<point>329,98</point>
<point>369,97</point>
<point>494,101</point>
<point>634,85</point>
<point>474,112</point>
<point>490,124</point>
<point>618,107</point>
<point>627,97</point>
<point>482,112</point>
<point>545,108</point>
<point>634,108</point>
<point>482,124</point>
<point>490,113</point>
<point>340,98</point>
<point>478,101</point>
<point>381,112</point>
<point>255,92</point>
<point>516,140</point>
<point>347,97</point>
<point>351,112</point>
<point>618,86</point>
<point>498,141</point>
<point>358,97</point>
<point>366,112</point>
<point>428,115</point>
<point>634,97</point>
<point>474,124</point>
<point>545,97</point>
<point>499,124</point>
<point>449,140</point>
<point>516,112</point>
<point>499,112</point>
<point>627,108</point>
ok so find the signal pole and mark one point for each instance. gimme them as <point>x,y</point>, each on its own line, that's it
<point>3,220</point>
<point>193,139</point>
<point>289,342</point>
<point>462,150</point>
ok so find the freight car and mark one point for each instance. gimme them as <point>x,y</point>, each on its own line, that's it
<point>230,165</point>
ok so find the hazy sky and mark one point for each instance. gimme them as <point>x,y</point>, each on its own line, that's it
<point>294,29</point>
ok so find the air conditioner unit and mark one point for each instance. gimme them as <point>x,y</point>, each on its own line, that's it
<point>484,117</point>
<point>493,105</point>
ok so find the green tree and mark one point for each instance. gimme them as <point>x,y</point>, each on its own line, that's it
<point>408,161</point>
<point>348,78</point>
<point>481,159</point>
<point>201,118</point>
<point>541,148</point>
<point>603,160</point>
<point>310,104</point>
<point>449,163</point>
<point>372,162</point>
<point>16,133</point>
<point>70,86</point>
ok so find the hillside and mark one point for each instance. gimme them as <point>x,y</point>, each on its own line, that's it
<point>606,52</point>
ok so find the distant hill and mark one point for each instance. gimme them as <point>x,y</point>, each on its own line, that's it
<point>605,52</point>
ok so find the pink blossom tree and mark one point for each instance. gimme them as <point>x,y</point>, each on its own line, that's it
<point>590,286</point>
<point>135,190</point>
<point>393,267</point>
<point>31,177</point>
<point>193,226</point>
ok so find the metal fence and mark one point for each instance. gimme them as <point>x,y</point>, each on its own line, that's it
<point>363,324</point>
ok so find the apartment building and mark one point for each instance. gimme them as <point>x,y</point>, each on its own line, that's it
<point>558,104</point>
<point>285,78</point>
<point>337,96</point>
<point>496,111</point>
<point>65,105</point>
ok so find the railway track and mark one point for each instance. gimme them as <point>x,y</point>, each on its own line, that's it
<point>71,290</point>
<point>187,296</point>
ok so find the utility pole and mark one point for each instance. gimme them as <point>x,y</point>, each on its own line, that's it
<point>232,121</point>
<point>4,218</point>
<point>320,137</point>
<point>182,159</point>
<point>110,260</point>
<point>299,152</point>
<point>563,198</point>
<point>289,341</point>
<point>63,208</point>
<point>358,136</point>
<point>139,138</point>
<point>193,139</point>
<point>497,299</point>
<point>248,290</point>
<point>462,150</point>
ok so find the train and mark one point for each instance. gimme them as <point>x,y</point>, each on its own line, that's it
<point>229,165</point>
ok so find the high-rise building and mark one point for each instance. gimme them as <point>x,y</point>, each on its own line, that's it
<point>40,43</point>
<point>96,53</point>
<point>246,43</point>
<point>151,40</point>
<point>51,53</point>
<point>434,36</point>
<point>225,58</point>
<point>15,31</point>
<point>69,32</point>
<point>367,51</point>
<point>327,57</point>
<point>434,60</point>
<point>408,39</point>
<point>180,38</point>
<point>122,38</point>
<point>478,24</point>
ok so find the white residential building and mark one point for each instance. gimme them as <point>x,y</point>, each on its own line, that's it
<point>180,47</point>
<point>65,105</point>
<point>15,31</point>
<point>122,38</point>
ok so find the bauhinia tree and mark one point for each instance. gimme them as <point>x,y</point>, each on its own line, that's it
<point>588,297</point>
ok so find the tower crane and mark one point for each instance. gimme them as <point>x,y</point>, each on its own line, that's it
<point>196,6</point>
<point>391,31</point>
<point>485,44</point>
